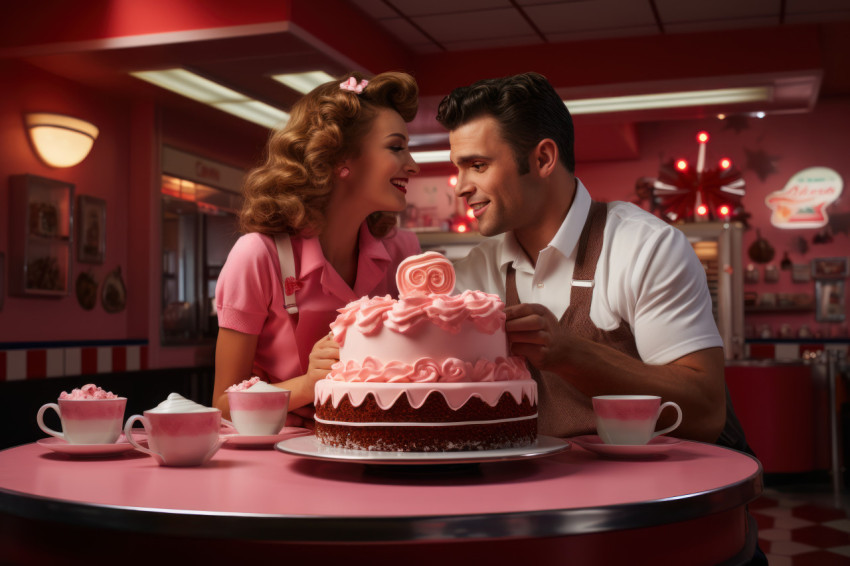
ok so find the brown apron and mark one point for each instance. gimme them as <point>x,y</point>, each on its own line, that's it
<point>564,410</point>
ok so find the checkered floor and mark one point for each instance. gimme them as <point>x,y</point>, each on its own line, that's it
<point>803,525</point>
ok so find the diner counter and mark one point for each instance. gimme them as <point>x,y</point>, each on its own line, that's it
<point>686,505</point>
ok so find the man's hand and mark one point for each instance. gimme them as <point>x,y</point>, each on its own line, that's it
<point>325,353</point>
<point>534,332</point>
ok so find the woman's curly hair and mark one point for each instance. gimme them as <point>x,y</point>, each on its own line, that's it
<point>290,191</point>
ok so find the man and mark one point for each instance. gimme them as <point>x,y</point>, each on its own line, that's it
<point>602,299</point>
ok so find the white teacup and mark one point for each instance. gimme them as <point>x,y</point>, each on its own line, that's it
<point>259,410</point>
<point>86,421</point>
<point>180,432</point>
<point>631,419</point>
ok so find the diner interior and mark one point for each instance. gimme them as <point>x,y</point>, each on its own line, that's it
<point>111,243</point>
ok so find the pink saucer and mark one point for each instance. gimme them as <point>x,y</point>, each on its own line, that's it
<point>237,440</point>
<point>657,445</point>
<point>63,447</point>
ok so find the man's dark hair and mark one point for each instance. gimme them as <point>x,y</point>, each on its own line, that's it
<point>526,107</point>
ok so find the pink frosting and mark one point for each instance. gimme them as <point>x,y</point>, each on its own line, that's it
<point>455,394</point>
<point>425,274</point>
<point>429,370</point>
<point>90,391</point>
<point>244,385</point>
<point>448,312</point>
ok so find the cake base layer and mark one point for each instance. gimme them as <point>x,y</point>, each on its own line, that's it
<point>429,426</point>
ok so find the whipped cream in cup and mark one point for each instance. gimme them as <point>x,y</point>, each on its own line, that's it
<point>180,432</point>
<point>89,415</point>
<point>258,410</point>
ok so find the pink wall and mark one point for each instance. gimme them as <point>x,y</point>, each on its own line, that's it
<point>103,174</point>
<point>123,169</point>
<point>795,141</point>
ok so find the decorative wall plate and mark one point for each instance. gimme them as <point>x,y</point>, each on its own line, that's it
<point>114,294</point>
<point>86,288</point>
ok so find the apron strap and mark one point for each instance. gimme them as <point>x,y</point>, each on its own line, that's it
<point>287,265</point>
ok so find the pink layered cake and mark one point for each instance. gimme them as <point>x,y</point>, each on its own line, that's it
<point>428,372</point>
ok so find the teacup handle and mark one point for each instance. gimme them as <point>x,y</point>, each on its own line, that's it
<point>669,428</point>
<point>44,427</point>
<point>128,434</point>
<point>227,424</point>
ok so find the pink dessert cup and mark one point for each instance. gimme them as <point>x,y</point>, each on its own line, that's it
<point>86,421</point>
<point>179,439</point>
<point>258,413</point>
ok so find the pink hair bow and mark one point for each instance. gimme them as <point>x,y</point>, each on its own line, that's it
<point>352,85</point>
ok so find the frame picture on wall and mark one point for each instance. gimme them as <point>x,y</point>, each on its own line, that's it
<point>91,229</point>
<point>829,267</point>
<point>829,298</point>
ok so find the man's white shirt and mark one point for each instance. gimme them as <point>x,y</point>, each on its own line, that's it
<point>648,276</point>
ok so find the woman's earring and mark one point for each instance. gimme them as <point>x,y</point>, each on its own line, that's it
<point>344,172</point>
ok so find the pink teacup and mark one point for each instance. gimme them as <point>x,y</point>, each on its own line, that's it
<point>258,413</point>
<point>630,419</point>
<point>180,432</point>
<point>86,421</point>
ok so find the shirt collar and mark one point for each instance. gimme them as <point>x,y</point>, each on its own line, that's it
<point>372,265</point>
<point>565,240</point>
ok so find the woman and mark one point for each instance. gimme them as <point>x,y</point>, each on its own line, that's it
<point>333,179</point>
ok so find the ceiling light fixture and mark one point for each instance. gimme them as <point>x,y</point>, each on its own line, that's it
<point>304,82</point>
<point>60,140</point>
<point>196,87</point>
<point>669,100</point>
<point>438,156</point>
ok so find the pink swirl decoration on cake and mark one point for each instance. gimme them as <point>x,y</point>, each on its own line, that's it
<point>429,370</point>
<point>423,274</point>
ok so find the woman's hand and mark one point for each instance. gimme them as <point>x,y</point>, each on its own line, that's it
<point>325,353</point>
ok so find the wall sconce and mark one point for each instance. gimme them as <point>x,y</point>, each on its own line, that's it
<point>59,140</point>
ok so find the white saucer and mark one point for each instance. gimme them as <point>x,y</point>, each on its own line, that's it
<point>234,440</point>
<point>657,445</point>
<point>310,447</point>
<point>63,447</point>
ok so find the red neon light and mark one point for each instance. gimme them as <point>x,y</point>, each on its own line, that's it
<point>724,210</point>
<point>453,181</point>
<point>725,163</point>
<point>681,165</point>
<point>702,210</point>
<point>702,137</point>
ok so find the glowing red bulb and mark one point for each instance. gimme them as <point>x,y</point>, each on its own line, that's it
<point>453,181</point>
<point>702,137</point>
<point>461,228</point>
<point>470,214</point>
<point>681,165</point>
<point>724,210</point>
<point>702,210</point>
<point>725,163</point>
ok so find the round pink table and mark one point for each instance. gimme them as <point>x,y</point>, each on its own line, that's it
<point>687,506</point>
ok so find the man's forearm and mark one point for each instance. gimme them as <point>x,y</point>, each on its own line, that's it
<point>695,382</point>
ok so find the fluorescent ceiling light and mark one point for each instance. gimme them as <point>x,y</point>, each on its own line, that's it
<point>198,88</point>
<point>303,82</point>
<point>668,100</point>
<point>439,156</point>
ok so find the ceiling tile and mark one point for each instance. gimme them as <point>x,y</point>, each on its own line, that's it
<point>492,42</point>
<point>816,6</point>
<point>405,31</point>
<point>435,7</point>
<point>586,16</point>
<point>377,9</point>
<point>581,35</point>
<point>486,24</point>
<point>676,11</point>
<point>715,25</point>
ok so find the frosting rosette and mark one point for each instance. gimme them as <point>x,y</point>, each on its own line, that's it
<point>428,273</point>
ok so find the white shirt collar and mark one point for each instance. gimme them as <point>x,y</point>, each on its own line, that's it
<point>565,240</point>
